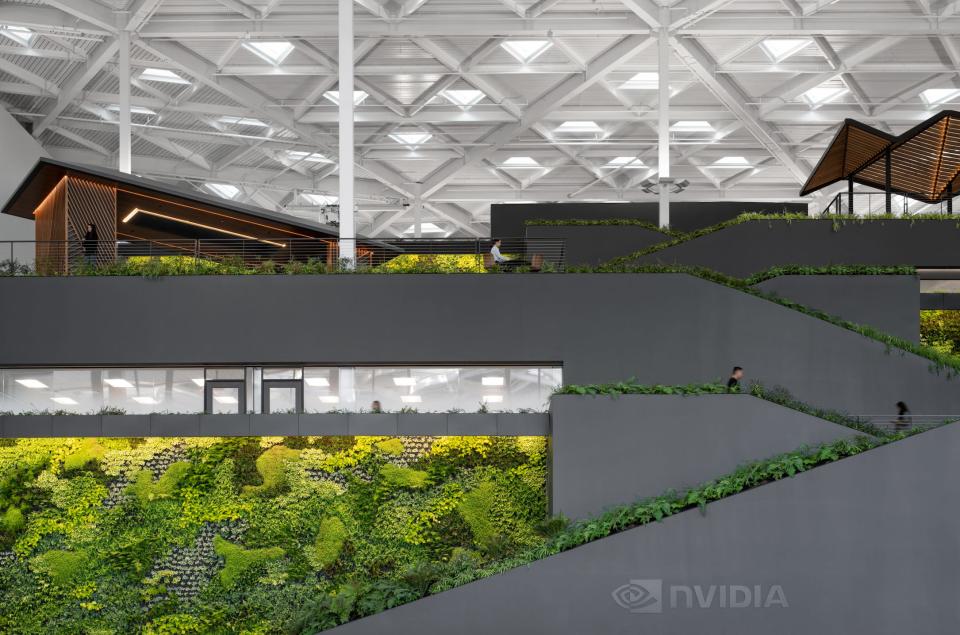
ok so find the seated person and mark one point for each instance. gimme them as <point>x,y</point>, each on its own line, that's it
<point>502,261</point>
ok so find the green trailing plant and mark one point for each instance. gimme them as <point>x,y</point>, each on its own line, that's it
<point>830,270</point>
<point>632,387</point>
<point>598,222</point>
<point>781,396</point>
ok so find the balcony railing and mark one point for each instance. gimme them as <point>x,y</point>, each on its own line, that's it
<point>875,204</point>
<point>277,255</point>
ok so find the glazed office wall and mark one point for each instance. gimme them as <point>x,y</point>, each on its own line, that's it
<point>663,328</point>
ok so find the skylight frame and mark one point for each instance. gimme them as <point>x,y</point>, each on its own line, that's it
<point>650,81</point>
<point>580,127</point>
<point>320,200</point>
<point>511,47</point>
<point>692,126</point>
<point>521,163</point>
<point>15,33</point>
<point>134,110</point>
<point>777,56</point>
<point>412,139</point>
<point>830,91</point>
<point>625,163</point>
<point>255,47</point>
<point>163,75</point>
<point>235,120</point>
<point>307,157</point>
<point>359,96</point>
<point>425,228</point>
<point>222,190</point>
<point>950,93</point>
<point>731,162</point>
<point>453,96</point>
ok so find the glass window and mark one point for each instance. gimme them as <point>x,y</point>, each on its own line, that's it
<point>225,400</point>
<point>282,373</point>
<point>224,373</point>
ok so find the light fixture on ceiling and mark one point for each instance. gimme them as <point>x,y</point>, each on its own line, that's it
<point>521,163</point>
<point>273,51</point>
<point>411,398</point>
<point>317,382</point>
<point>138,210</point>
<point>32,383</point>
<point>939,96</point>
<point>525,51</point>
<point>64,401</point>
<point>779,49</point>
<point>579,128</point>
<point>492,381</point>
<point>404,381</point>
<point>118,383</point>
<point>359,96</point>
<point>150,401</point>
<point>162,75</point>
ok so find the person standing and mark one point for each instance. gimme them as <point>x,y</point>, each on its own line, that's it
<point>733,384</point>
<point>904,420</point>
<point>90,241</point>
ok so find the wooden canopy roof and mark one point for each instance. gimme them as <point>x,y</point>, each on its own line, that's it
<point>924,161</point>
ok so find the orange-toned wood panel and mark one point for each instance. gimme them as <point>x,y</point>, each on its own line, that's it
<point>50,226</point>
<point>90,202</point>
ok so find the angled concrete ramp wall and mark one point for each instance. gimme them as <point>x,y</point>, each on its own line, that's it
<point>614,450</point>
<point>865,545</point>
<point>20,153</point>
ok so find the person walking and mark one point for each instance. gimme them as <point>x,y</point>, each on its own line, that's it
<point>733,383</point>
<point>90,241</point>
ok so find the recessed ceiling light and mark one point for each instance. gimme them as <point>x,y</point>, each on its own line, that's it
<point>779,49</point>
<point>359,96</point>
<point>492,399</point>
<point>425,228</point>
<point>330,399</point>
<point>411,139</point>
<point>492,381</point>
<point>825,93</point>
<point>579,127</point>
<point>223,190</point>
<point>198,381</point>
<point>32,383</point>
<point>317,382</point>
<point>137,110</point>
<point>149,401</point>
<point>162,75</point>
<point>64,401</point>
<point>226,399</point>
<point>521,163</point>
<point>411,399</point>
<point>628,163</point>
<point>463,98</point>
<point>243,121</point>
<point>19,34</point>
<point>118,383</point>
<point>527,50</point>
<point>310,157</point>
<point>939,96</point>
<point>642,81</point>
<point>320,199</point>
<point>272,51</point>
<point>731,162</point>
<point>692,126</point>
<point>404,381</point>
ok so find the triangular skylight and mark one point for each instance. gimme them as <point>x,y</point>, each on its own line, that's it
<point>463,98</point>
<point>425,228</point>
<point>136,110</point>
<point>273,51</point>
<point>692,126</point>
<point>825,93</point>
<point>579,127</point>
<point>320,199</point>
<point>938,96</point>
<point>310,157</point>
<point>162,75</point>
<point>224,190</point>
<point>526,50</point>
<point>779,49</point>
<point>232,120</point>
<point>358,96</point>
<point>642,81</point>
<point>521,163</point>
<point>411,139</point>
<point>628,163</point>
<point>19,34</point>
<point>731,162</point>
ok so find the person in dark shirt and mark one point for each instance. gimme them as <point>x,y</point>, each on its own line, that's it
<point>733,384</point>
<point>903,417</point>
<point>90,240</point>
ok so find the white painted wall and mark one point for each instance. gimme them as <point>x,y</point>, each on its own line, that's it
<point>20,152</point>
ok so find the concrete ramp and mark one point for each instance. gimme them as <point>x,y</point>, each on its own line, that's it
<point>20,153</point>
<point>868,544</point>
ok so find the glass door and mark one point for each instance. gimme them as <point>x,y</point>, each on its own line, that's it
<point>282,396</point>
<point>225,397</point>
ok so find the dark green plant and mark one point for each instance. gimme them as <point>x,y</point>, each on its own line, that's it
<point>603,222</point>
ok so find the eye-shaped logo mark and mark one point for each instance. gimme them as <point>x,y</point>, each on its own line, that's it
<point>640,596</point>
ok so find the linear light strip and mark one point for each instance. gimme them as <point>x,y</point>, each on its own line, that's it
<point>137,210</point>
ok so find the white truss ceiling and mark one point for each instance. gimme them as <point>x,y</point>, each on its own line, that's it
<point>884,53</point>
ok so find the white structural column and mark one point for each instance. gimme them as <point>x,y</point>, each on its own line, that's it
<point>345,88</point>
<point>124,161</point>
<point>663,121</point>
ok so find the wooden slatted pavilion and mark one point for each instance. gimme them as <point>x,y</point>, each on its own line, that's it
<point>923,163</point>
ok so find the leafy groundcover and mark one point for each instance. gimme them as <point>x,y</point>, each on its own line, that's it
<point>252,535</point>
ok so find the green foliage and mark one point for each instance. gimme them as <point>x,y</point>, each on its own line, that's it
<point>830,270</point>
<point>476,508</point>
<point>603,222</point>
<point>328,544</point>
<point>239,561</point>
<point>781,396</point>
<point>144,489</point>
<point>396,476</point>
<point>632,387</point>
<point>941,330</point>
<point>61,566</point>
<point>270,466</point>
<point>176,624</point>
<point>89,452</point>
<point>12,521</point>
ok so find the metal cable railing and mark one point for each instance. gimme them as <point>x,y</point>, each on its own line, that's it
<point>902,423</point>
<point>280,255</point>
<point>875,204</point>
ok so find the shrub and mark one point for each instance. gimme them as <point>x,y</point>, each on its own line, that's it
<point>328,544</point>
<point>270,466</point>
<point>239,561</point>
<point>397,476</point>
<point>145,489</point>
<point>61,566</point>
<point>88,452</point>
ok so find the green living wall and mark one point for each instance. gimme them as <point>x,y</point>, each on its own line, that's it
<point>253,535</point>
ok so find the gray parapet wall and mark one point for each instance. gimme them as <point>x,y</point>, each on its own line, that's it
<point>864,545</point>
<point>595,244</point>
<point>610,451</point>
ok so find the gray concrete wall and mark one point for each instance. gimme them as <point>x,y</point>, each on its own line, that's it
<point>595,244</point>
<point>662,328</point>
<point>20,153</point>
<point>615,450</point>
<point>353,424</point>
<point>864,545</point>
<point>888,303</point>
<point>754,246</point>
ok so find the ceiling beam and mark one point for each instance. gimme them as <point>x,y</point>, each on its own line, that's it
<point>88,11</point>
<point>242,8</point>
<point>31,78</point>
<point>695,10</point>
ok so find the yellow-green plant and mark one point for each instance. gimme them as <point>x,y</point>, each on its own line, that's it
<point>144,489</point>
<point>238,561</point>
<point>329,543</point>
